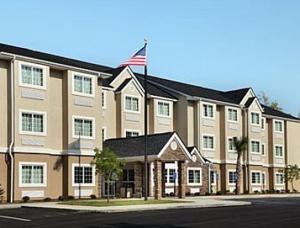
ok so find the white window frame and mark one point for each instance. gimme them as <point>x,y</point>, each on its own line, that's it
<point>165,102</point>
<point>259,118</point>
<point>132,130</point>
<point>83,118</point>
<point>139,103</point>
<point>274,124</point>
<point>237,115</point>
<point>260,177</point>
<point>44,69</point>
<point>44,164</point>
<point>276,183</point>
<point>259,146</point>
<point>84,76</point>
<point>83,165</point>
<point>231,151</point>
<point>263,123</point>
<point>104,99</point>
<point>228,171</point>
<point>279,145</point>
<point>104,133</point>
<point>214,142</point>
<point>194,169</point>
<point>213,110</point>
<point>21,132</point>
<point>169,166</point>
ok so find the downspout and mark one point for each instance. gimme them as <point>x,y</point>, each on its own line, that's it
<point>10,149</point>
<point>209,178</point>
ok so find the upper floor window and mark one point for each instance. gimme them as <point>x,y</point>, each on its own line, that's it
<point>33,122</point>
<point>163,108</point>
<point>32,76</point>
<point>255,177</point>
<point>32,174</point>
<point>131,133</point>
<point>208,142</point>
<point>232,115</point>
<point>103,99</point>
<point>83,85</point>
<point>83,127</point>
<point>278,126</point>
<point>263,149</point>
<point>131,104</point>
<point>103,132</point>
<point>255,146</point>
<point>255,118</point>
<point>194,176</point>
<point>231,145</point>
<point>208,111</point>
<point>279,151</point>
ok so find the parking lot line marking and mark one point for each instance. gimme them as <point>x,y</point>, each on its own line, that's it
<point>15,218</point>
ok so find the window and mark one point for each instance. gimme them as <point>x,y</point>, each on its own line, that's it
<point>255,119</point>
<point>255,146</point>
<point>83,85</point>
<point>194,176</point>
<point>213,176</point>
<point>33,122</point>
<point>128,175</point>
<point>131,134</point>
<point>83,174</point>
<point>32,174</point>
<point>131,104</point>
<point>262,149</point>
<point>103,99</point>
<point>103,132</point>
<point>263,123</point>
<point>32,76</point>
<point>232,115</point>
<point>163,108</point>
<point>170,175</point>
<point>231,177</point>
<point>208,111</point>
<point>263,177</point>
<point>279,178</point>
<point>255,178</point>
<point>83,127</point>
<point>279,151</point>
<point>231,145</point>
<point>278,126</point>
<point>208,142</point>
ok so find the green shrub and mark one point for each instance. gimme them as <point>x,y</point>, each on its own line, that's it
<point>25,199</point>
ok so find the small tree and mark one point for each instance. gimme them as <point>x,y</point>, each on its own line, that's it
<point>108,165</point>
<point>264,98</point>
<point>292,173</point>
<point>240,146</point>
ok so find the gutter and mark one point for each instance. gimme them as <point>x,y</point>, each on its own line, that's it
<point>12,142</point>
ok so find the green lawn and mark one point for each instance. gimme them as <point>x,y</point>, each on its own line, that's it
<point>103,203</point>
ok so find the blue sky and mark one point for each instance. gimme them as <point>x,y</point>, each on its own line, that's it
<point>217,44</point>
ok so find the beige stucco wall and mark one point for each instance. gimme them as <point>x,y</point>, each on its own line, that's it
<point>3,175</point>
<point>160,124</point>
<point>4,68</point>
<point>180,118</point>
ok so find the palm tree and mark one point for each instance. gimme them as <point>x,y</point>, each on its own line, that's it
<point>240,146</point>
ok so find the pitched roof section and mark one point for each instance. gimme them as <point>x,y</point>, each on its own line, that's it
<point>236,95</point>
<point>134,146</point>
<point>52,58</point>
<point>124,83</point>
<point>272,112</point>
<point>249,102</point>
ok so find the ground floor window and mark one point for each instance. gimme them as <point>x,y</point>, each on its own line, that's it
<point>213,177</point>
<point>231,177</point>
<point>32,174</point>
<point>170,175</point>
<point>279,178</point>
<point>255,178</point>
<point>111,188</point>
<point>83,174</point>
<point>194,176</point>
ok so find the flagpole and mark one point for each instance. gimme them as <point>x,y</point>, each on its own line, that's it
<point>146,130</point>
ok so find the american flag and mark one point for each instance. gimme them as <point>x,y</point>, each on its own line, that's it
<point>138,59</point>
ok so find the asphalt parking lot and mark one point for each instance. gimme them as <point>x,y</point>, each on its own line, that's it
<point>283,212</point>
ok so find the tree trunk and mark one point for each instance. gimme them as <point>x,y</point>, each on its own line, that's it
<point>107,191</point>
<point>238,175</point>
<point>292,182</point>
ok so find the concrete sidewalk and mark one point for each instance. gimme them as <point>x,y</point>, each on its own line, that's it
<point>192,203</point>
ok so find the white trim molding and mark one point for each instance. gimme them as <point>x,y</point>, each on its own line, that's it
<point>83,75</point>
<point>44,114</point>
<point>139,104</point>
<point>83,166</point>
<point>187,177</point>
<point>83,118</point>
<point>43,164</point>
